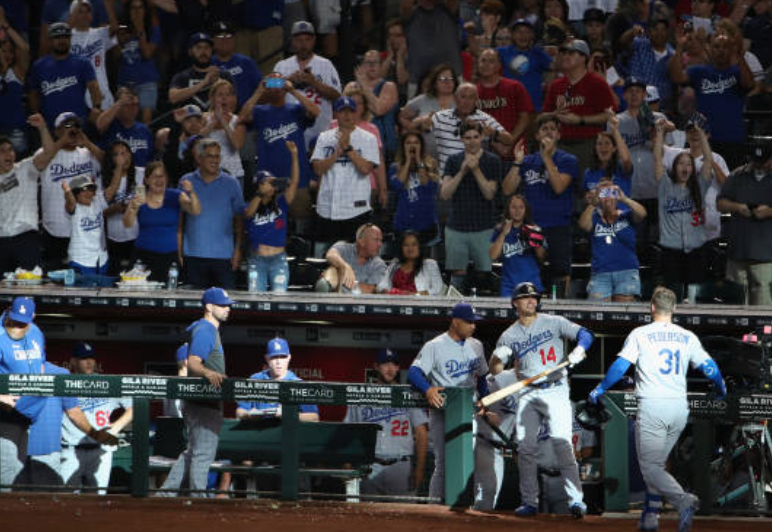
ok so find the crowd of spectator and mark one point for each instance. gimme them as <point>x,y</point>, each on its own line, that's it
<point>469,131</point>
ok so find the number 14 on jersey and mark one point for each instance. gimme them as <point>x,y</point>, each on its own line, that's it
<point>548,357</point>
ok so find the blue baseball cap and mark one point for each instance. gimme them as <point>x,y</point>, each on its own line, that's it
<point>632,81</point>
<point>182,352</point>
<point>67,116</point>
<point>386,355</point>
<point>262,175</point>
<point>465,311</point>
<point>522,22</point>
<point>216,296</point>
<point>199,37</point>
<point>278,347</point>
<point>22,309</point>
<point>83,350</point>
<point>344,102</point>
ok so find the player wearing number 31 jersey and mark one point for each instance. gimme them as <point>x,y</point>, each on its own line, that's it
<point>662,353</point>
<point>533,344</point>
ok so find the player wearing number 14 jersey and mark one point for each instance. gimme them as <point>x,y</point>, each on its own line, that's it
<point>531,345</point>
<point>85,462</point>
<point>662,353</point>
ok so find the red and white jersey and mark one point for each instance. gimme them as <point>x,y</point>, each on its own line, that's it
<point>324,71</point>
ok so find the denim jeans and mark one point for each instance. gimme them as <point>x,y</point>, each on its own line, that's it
<point>272,271</point>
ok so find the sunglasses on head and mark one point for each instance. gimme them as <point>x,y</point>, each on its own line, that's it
<point>87,188</point>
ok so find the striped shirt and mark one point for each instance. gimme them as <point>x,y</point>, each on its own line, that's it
<point>446,125</point>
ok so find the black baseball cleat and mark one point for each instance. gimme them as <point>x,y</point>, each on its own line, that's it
<point>578,510</point>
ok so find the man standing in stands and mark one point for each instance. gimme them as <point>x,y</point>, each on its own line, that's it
<point>311,74</point>
<point>580,100</point>
<point>191,86</point>
<point>243,70</point>
<point>119,122</point>
<point>59,82</point>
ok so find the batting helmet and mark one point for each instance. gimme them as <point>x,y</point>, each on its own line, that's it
<point>526,289</point>
<point>590,416</point>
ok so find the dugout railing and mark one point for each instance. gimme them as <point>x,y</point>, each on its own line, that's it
<point>459,410</point>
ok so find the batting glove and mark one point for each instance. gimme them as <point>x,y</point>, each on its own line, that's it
<point>503,353</point>
<point>596,394</point>
<point>576,356</point>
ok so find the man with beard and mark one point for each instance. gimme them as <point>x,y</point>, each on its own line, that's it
<point>58,82</point>
<point>203,419</point>
<point>313,75</point>
<point>404,436</point>
<point>191,86</point>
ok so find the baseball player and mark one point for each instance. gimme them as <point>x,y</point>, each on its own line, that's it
<point>85,462</point>
<point>489,443</point>
<point>662,353</point>
<point>203,419</point>
<point>533,344</point>
<point>453,358</point>
<point>22,350</point>
<point>277,358</point>
<point>403,435</point>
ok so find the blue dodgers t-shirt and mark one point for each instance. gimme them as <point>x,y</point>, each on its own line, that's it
<point>266,376</point>
<point>158,227</point>
<point>22,356</point>
<point>613,245</point>
<point>527,67</point>
<point>274,126</point>
<point>269,228</point>
<point>246,76</point>
<point>61,84</point>
<point>210,234</point>
<point>549,209</point>
<point>721,98</point>
<point>45,433</point>
<point>416,203</point>
<point>135,69</point>
<point>518,262</point>
<point>139,138</point>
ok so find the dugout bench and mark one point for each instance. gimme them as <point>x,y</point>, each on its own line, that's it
<point>326,449</point>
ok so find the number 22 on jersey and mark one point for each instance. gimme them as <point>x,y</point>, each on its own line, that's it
<point>548,357</point>
<point>400,428</point>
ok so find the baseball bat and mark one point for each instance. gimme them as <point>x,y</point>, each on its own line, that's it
<point>516,387</point>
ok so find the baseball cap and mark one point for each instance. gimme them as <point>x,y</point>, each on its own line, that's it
<point>262,175</point>
<point>59,29</point>
<point>22,309</point>
<point>632,81</point>
<point>386,355</point>
<point>74,5</point>
<point>522,22</point>
<point>594,14</point>
<point>525,289</point>
<point>652,94</point>
<point>223,29</point>
<point>465,311</point>
<point>192,110</point>
<point>83,350</point>
<point>577,45</point>
<point>216,296</point>
<point>302,26</point>
<point>759,152</point>
<point>344,102</point>
<point>199,37</point>
<point>698,120</point>
<point>67,116</point>
<point>80,182</point>
<point>278,347</point>
<point>182,352</point>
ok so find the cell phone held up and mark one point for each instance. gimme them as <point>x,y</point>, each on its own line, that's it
<point>608,192</point>
<point>274,83</point>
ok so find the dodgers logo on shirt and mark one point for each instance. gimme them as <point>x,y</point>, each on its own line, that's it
<point>456,369</point>
<point>19,353</point>
<point>603,230</point>
<point>271,134</point>
<point>534,177</point>
<point>134,143</point>
<point>510,250</point>
<point>520,64</point>
<point>89,50</point>
<point>91,224</point>
<point>531,343</point>
<point>371,414</point>
<point>719,86</point>
<point>58,85</point>
<point>58,171</point>
<point>674,205</point>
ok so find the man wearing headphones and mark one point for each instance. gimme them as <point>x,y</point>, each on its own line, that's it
<point>531,345</point>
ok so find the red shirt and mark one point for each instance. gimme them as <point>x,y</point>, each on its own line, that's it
<point>505,101</point>
<point>404,282</point>
<point>590,96</point>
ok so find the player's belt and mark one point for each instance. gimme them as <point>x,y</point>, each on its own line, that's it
<point>545,385</point>
<point>392,460</point>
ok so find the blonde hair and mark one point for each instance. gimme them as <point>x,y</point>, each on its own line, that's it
<point>663,300</point>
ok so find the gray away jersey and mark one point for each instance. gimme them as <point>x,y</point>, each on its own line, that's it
<point>395,439</point>
<point>446,363</point>
<point>540,346</point>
